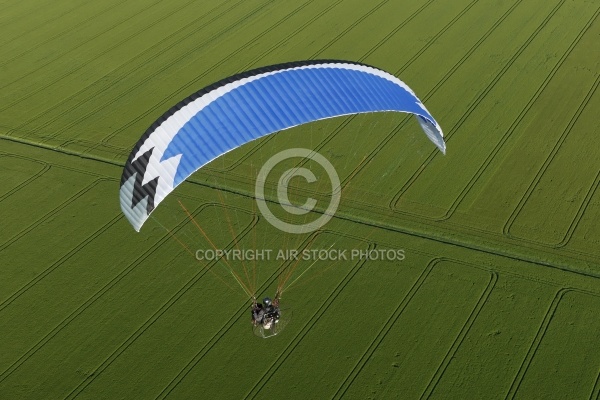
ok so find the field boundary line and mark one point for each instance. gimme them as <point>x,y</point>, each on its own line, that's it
<point>60,165</point>
<point>29,142</point>
<point>117,150</point>
<point>468,241</point>
<point>491,244</point>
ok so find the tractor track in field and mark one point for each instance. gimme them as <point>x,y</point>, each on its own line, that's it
<point>49,83</point>
<point>46,338</point>
<point>54,265</point>
<point>159,312</point>
<point>485,294</point>
<point>78,311</point>
<point>18,17</point>
<point>168,99</point>
<point>45,168</point>
<point>520,117</point>
<point>49,39</point>
<point>146,52</point>
<point>540,173</point>
<point>595,394</point>
<point>471,108</point>
<point>387,326</point>
<point>51,213</point>
<point>543,328</point>
<point>391,321</point>
<point>166,66</point>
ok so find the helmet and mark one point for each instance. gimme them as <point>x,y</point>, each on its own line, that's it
<point>267,301</point>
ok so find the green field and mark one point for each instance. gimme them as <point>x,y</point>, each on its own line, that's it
<point>498,296</point>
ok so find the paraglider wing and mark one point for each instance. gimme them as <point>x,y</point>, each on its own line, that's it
<point>245,107</point>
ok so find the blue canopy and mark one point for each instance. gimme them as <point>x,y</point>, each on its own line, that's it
<point>248,106</point>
